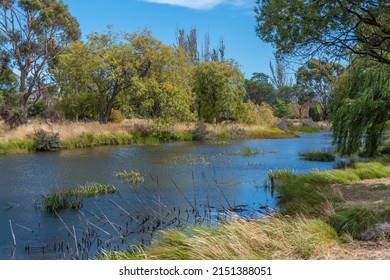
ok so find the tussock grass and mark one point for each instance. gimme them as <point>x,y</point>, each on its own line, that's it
<point>271,238</point>
<point>353,221</point>
<point>17,147</point>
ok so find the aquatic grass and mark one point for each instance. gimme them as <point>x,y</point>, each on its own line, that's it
<point>89,189</point>
<point>272,238</point>
<point>55,202</point>
<point>132,176</point>
<point>324,156</point>
<point>246,151</point>
<point>17,147</point>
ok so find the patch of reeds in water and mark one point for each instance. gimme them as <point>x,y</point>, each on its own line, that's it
<point>89,189</point>
<point>132,176</point>
<point>324,156</point>
<point>71,198</point>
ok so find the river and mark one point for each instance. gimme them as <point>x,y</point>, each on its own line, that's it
<point>184,182</point>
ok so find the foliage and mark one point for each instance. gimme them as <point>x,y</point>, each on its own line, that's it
<point>219,89</point>
<point>318,77</point>
<point>34,33</point>
<point>259,89</point>
<point>361,107</point>
<point>116,116</point>
<point>333,28</point>
<point>314,113</point>
<point>254,114</point>
<point>46,141</point>
<point>282,109</point>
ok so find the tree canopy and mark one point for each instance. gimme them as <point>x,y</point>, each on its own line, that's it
<point>333,28</point>
<point>360,107</point>
<point>33,33</point>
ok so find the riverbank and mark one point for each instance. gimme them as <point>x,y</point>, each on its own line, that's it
<point>130,132</point>
<point>332,214</point>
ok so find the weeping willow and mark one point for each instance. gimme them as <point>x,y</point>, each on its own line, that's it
<point>360,107</point>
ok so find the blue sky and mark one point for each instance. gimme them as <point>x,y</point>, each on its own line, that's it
<point>231,19</point>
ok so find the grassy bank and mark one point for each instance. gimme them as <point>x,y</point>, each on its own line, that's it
<point>325,215</point>
<point>134,132</point>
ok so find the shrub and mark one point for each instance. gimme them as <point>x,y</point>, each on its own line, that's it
<point>200,131</point>
<point>46,141</point>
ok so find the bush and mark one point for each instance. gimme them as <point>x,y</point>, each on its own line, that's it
<point>46,141</point>
<point>200,131</point>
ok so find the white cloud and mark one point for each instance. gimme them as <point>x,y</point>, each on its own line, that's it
<point>202,4</point>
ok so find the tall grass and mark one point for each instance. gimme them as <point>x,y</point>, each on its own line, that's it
<point>272,238</point>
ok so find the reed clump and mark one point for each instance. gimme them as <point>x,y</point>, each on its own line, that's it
<point>131,176</point>
<point>324,156</point>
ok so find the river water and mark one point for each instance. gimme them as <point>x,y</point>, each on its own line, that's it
<point>184,183</point>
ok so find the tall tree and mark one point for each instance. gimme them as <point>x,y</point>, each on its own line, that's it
<point>318,76</point>
<point>219,89</point>
<point>34,33</point>
<point>304,28</point>
<point>360,107</point>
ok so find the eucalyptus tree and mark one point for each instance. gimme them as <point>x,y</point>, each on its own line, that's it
<point>33,33</point>
<point>318,77</point>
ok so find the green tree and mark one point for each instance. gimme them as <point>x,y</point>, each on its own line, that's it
<point>318,76</point>
<point>327,27</point>
<point>165,92</point>
<point>103,68</point>
<point>33,33</point>
<point>219,89</point>
<point>259,89</point>
<point>360,107</point>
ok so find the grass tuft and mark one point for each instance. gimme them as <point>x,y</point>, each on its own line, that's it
<point>132,176</point>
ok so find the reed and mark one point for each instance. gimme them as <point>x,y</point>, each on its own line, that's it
<point>89,189</point>
<point>324,156</point>
<point>132,176</point>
